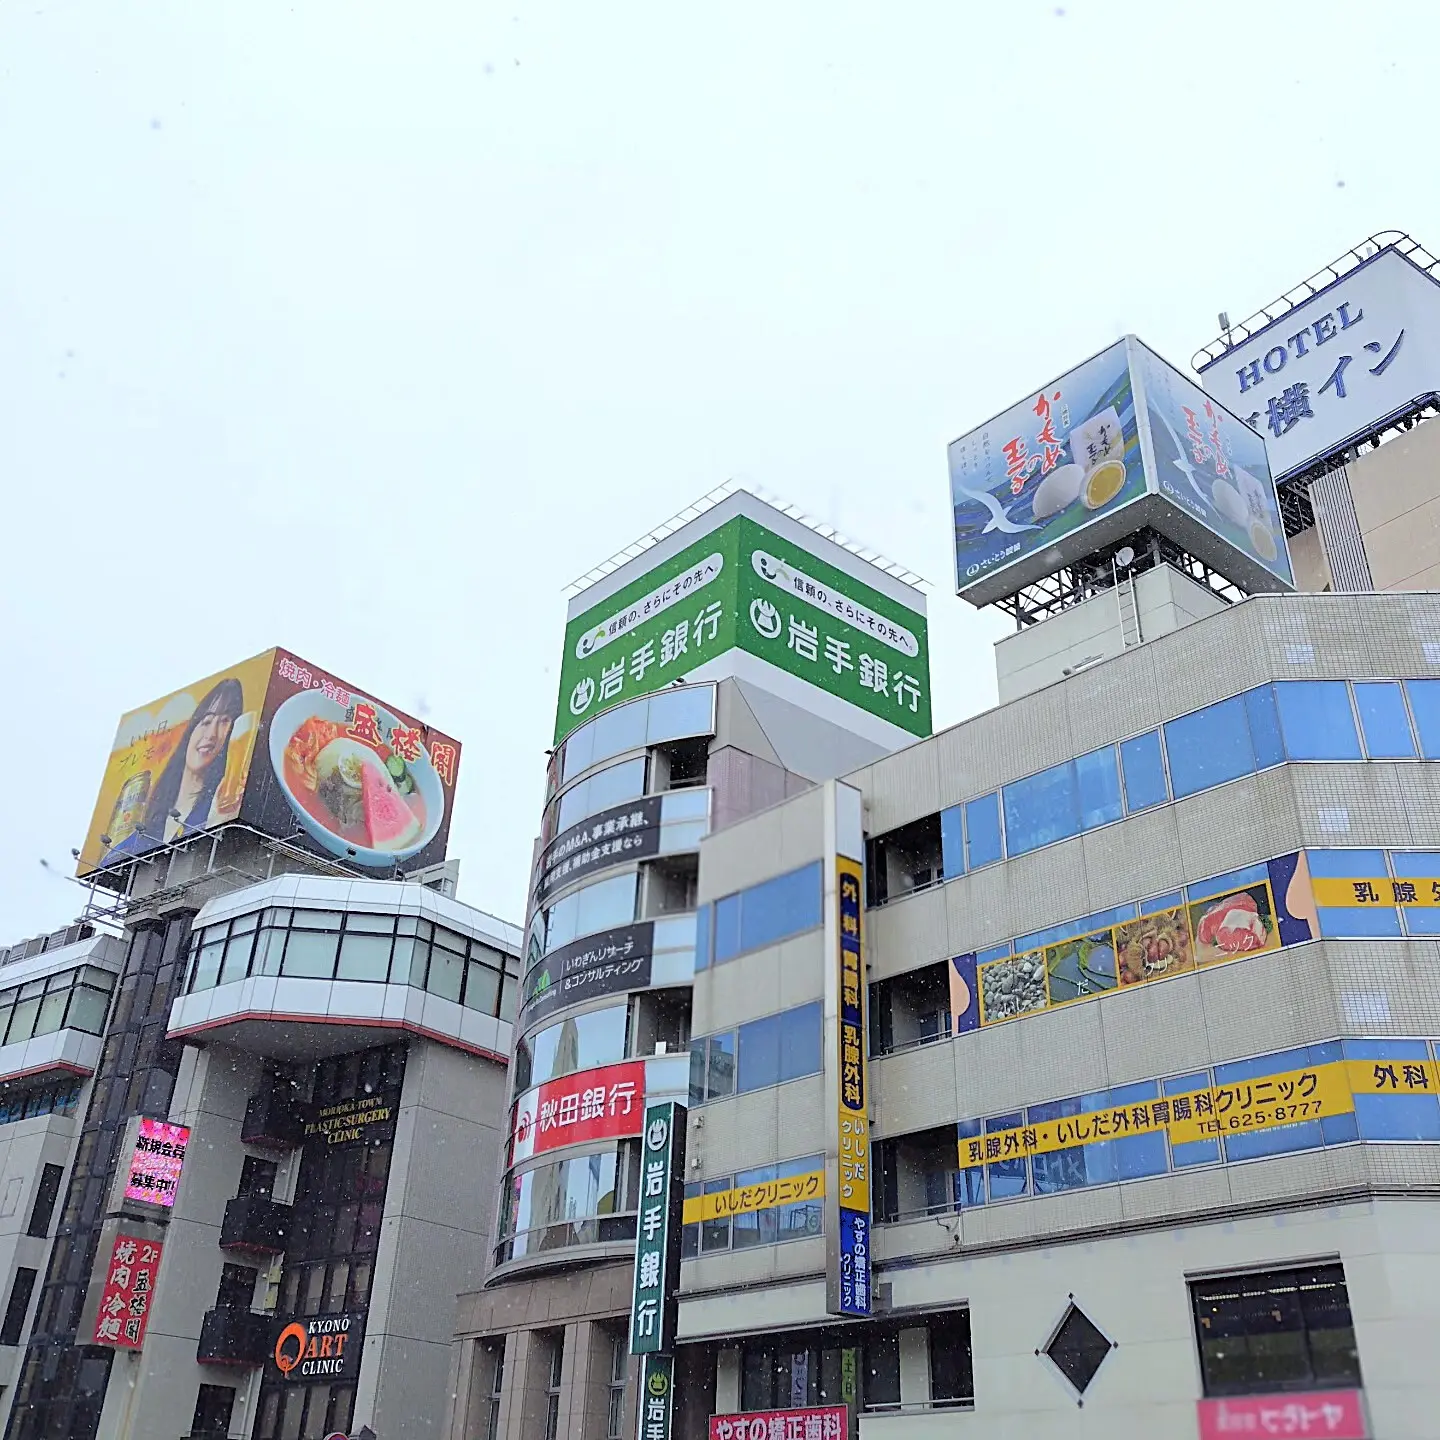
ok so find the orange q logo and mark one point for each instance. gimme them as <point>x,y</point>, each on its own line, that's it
<point>283,1359</point>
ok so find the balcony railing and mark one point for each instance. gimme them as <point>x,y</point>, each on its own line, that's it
<point>272,1121</point>
<point>232,1336</point>
<point>256,1223</point>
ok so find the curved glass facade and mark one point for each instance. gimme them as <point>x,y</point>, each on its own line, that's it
<point>600,906</point>
<point>579,1042</point>
<point>611,786</point>
<point>580,1200</point>
<point>671,714</point>
<point>353,945</point>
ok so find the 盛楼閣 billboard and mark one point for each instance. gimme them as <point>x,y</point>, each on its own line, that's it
<point>1361,352</point>
<point>1121,442</point>
<point>287,749</point>
<point>744,587</point>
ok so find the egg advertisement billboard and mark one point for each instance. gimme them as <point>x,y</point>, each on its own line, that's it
<point>287,749</point>
<point>1121,443</point>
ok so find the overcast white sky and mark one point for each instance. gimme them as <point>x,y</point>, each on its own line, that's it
<point>362,329</point>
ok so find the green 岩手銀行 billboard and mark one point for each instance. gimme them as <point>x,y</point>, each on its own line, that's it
<point>744,587</point>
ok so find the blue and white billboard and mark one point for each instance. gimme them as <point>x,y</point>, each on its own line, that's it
<point>1359,353</point>
<point>1120,443</point>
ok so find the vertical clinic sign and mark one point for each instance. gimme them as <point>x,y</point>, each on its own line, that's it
<point>745,587</point>
<point>156,1162</point>
<point>657,1249</point>
<point>850,1284</point>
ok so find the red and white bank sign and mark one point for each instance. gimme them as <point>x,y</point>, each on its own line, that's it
<point>820,1422</point>
<point>125,1298</point>
<point>601,1104</point>
<point>1315,1415</point>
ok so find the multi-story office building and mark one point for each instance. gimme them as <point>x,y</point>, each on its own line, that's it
<point>1132,1047</point>
<point>253,1132</point>
<point>796,660</point>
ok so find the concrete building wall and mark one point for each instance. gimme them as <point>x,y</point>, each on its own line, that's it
<point>157,1386</point>
<point>26,1147</point>
<point>435,1234</point>
<point>1396,489</point>
<point>1133,1286</point>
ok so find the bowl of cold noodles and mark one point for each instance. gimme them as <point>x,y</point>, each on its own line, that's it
<point>354,795</point>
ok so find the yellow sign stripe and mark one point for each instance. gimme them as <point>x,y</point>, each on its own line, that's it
<point>1237,1108</point>
<point>1393,1077</point>
<point>750,1198</point>
<point>1375,892</point>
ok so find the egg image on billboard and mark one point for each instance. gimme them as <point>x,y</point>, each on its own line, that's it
<point>1059,489</point>
<point>354,795</point>
<point>1229,502</point>
<point>1103,484</point>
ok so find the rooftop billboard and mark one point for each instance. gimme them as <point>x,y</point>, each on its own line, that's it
<point>1362,351</point>
<point>287,749</point>
<point>1120,442</point>
<point>800,606</point>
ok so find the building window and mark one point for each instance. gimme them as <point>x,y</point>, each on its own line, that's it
<point>615,1406</point>
<point>555,1342</point>
<point>1275,1330</point>
<point>20,1289</point>
<point>882,1371</point>
<point>237,1287</point>
<point>213,1406</point>
<point>1078,1348</point>
<point>492,1356</point>
<point>46,1193</point>
<point>765,914</point>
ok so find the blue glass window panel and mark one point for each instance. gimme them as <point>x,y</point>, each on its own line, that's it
<point>720,1066</point>
<point>1384,720</point>
<point>1064,1169</point>
<point>697,1071</point>
<point>1308,1134</point>
<point>1420,865</point>
<point>1006,1178</point>
<point>982,831</point>
<point>1041,809</point>
<point>704,922</point>
<point>969,1184</point>
<point>1359,921</point>
<point>995,952</point>
<point>1144,769</point>
<point>1193,1152</point>
<point>1114,916</point>
<point>1329,864</point>
<point>1051,936</point>
<point>952,841</point>
<point>1399,1116</point>
<point>800,1042</point>
<point>787,905</point>
<point>1424,697</point>
<point>1233,880</point>
<point>1264,724</point>
<point>1098,781</point>
<point>758,1056</point>
<point>1161,902</point>
<point>1379,922</point>
<point>1316,720</point>
<point>1209,747</point>
<point>969,1188</point>
<point>727,928</point>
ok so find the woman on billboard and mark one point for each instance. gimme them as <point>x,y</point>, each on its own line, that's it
<point>184,797</point>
